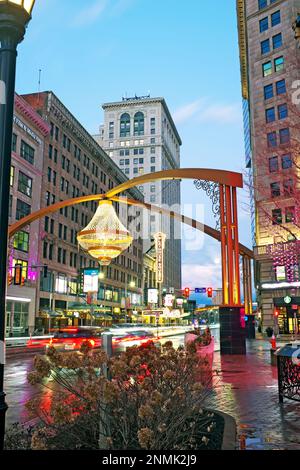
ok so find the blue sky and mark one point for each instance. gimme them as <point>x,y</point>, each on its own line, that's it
<point>93,51</point>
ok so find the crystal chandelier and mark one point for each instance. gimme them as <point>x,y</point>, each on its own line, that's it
<point>105,237</point>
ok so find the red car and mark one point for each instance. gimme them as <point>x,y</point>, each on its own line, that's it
<point>72,338</point>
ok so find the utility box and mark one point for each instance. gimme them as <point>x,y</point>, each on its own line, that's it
<point>288,365</point>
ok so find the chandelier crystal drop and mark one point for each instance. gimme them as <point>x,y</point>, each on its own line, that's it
<point>105,237</point>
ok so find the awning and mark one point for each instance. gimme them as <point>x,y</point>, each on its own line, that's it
<point>50,313</point>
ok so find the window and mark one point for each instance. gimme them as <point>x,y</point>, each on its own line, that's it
<point>23,209</point>
<point>262,4</point>
<point>268,92</point>
<point>286,161</point>
<point>27,152</point>
<point>56,133</point>
<point>282,111</point>
<point>125,125</point>
<point>14,143</point>
<point>284,136</point>
<point>280,87</point>
<point>277,41</point>
<point>273,164</point>
<point>45,249</point>
<point>152,159</point>
<point>25,184</point>
<point>270,115</point>
<point>152,198</point>
<point>289,214</point>
<point>275,189</point>
<point>127,171</point>
<point>141,161</point>
<point>139,124</point>
<point>265,46</point>
<point>278,64</point>
<point>122,162</point>
<point>135,171</point>
<point>267,69</point>
<point>21,241</point>
<point>288,187</point>
<point>276,216</point>
<point>152,150</point>
<point>272,139</point>
<point>275,18</point>
<point>12,175</point>
<point>264,24</point>
<point>152,169</point>
<point>24,265</point>
<point>152,140</point>
<point>49,174</point>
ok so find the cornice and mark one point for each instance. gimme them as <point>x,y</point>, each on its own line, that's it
<point>30,114</point>
<point>242,32</point>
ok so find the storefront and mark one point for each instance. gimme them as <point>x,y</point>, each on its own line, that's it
<point>287,314</point>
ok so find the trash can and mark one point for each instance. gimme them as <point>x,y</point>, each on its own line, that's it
<point>288,365</point>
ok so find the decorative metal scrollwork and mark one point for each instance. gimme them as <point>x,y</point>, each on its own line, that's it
<point>289,378</point>
<point>212,190</point>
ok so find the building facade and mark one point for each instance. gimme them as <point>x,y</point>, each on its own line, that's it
<point>140,136</point>
<point>75,165</point>
<point>29,134</point>
<point>269,59</point>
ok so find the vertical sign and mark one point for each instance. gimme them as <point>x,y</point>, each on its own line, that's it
<point>160,239</point>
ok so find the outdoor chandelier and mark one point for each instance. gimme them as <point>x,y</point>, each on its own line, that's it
<point>26,5</point>
<point>105,237</point>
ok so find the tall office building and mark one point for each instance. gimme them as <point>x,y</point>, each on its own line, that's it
<point>269,68</point>
<point>74,165</point>
<point>139,134</point>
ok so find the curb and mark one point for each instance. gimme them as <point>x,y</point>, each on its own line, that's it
<point>230,431</point>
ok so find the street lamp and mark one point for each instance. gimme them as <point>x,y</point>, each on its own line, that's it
<point>14,17</point>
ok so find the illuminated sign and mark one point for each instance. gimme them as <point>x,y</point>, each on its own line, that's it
<point>152,296</point>
<point>169,300</point>
<point>160,239</point>
<point>90,280</point>
<point>288,299</point>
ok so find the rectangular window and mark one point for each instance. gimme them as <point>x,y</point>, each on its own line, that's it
<point>278,64</point>
<point>282,111</point>
<point>21,241</point>
<point>152,159</point>
<point>280,87</point>
<point>12,175</point>
<point>56,133</point>
<point>272,139</point>
<point>284,136</point>
<point>14,143</point>
<point>275,18</point>
<point>23,209</point>
<point>152,169</point>
<point>275,189</point>
<point>289,214</point>
<point>264,24</point>
<point>288,187</point>
<point>27,152</point>
<point>267,69</point>
<point>277,41</point>
<point>265,46</point>
<point>135,171</point>
<point>286,161</point>
<point>262,4</point>
<point>270,115</point>
<point>276,216</point>
<point>273,164</point>
<point>25,184</point>
<point>268,92</point>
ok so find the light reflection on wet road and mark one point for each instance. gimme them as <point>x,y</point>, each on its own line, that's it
<point>19,391</point>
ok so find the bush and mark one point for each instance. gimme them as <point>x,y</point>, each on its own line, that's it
<point>143,399</point>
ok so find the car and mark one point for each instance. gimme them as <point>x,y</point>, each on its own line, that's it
<point>122,341</point>
<point>72,338</point>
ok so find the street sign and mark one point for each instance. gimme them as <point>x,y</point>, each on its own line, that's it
<point>200,290</point>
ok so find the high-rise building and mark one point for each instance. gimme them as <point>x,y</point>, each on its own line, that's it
<point>269,59</point>
<point>29,133</point>
<point>75,165</point>
<point>139,134</point>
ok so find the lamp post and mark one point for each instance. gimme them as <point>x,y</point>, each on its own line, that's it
<point>14,17</point>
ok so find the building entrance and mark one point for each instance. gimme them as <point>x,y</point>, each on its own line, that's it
<point>288,320</point>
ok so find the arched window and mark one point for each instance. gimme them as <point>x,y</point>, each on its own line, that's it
<point>139,124</point>
<point>125,125</point>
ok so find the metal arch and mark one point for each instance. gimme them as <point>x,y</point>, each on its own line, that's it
<point>212,190</point>
<point>226,178</point>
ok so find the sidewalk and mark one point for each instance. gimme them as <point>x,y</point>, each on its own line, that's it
<point>246,388</point>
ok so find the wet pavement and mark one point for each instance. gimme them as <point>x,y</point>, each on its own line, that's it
<point>246,387</point>
<point>243,386</point>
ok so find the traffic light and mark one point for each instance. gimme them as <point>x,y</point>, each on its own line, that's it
<point>209,291</point>
<point>276,313</point>
<point>186,292</point>
<point>18,275</point>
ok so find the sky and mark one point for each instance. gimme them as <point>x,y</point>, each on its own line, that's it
<point>95,51</point>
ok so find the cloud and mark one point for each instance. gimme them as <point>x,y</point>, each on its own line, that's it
<point>90,14</point>
<point>195,275</point>
<point>204,111</point>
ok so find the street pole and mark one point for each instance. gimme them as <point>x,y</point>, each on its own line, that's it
<point>13,21</point>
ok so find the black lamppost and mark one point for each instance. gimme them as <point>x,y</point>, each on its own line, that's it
<point>14,17</point>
